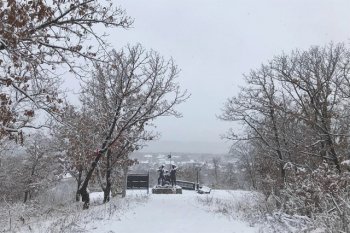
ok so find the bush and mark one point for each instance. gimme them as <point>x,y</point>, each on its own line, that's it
<point>323,195</point>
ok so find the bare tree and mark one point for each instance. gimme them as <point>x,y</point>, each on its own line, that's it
<point>12,184</point>
<point>29,171</point>
<point>296,113</point>
<point>246,162</point>
<point>126,95</point>
<point>258,107</point>
<point>41,168</point>
<point>316,81</point>
<point>294,107</point>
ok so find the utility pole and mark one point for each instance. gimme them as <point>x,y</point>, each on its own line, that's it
<point>197,178</point>
<point>198,168</point>
<point>169,157</point>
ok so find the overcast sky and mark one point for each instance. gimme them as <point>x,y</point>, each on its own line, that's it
<point>214,43</point>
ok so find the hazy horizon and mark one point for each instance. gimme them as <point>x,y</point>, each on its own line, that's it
<point>196,147</point>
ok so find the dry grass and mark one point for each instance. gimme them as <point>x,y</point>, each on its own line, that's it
<point>253,208</point>
<point>57,212</point>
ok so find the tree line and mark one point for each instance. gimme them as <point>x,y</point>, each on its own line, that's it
<point>295,141</point>
<point>122,92</point>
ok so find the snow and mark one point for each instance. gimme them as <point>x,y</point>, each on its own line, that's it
<point>221,211</point>
<point>173,213</point>
<point>96,198</point>
<point>204,189</point>
<point>346,162</point>
<point>67,176</point>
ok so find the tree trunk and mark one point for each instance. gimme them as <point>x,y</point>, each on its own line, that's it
<point>83,190</point>
<point>85,197</point>
<point>106,193</point>
<point>252,177</point>
<point>334,155</point>
<point>77,195</point>
<point>107,190</point>
<point>27,192</point>
<point>278,145</point>
<point>125,183</point>
<point>26,196</point>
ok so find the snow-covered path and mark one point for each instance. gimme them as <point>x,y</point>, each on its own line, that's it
<point>173,213</point>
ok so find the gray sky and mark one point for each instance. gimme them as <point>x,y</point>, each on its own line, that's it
<point>214,43</point>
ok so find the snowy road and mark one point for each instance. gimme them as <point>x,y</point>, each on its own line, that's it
<point>173,213</point>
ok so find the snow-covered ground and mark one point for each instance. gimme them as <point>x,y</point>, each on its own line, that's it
<point>174,214</point>
<point>218,212</point>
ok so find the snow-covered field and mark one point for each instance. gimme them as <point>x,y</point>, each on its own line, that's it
<point>218,212</point>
